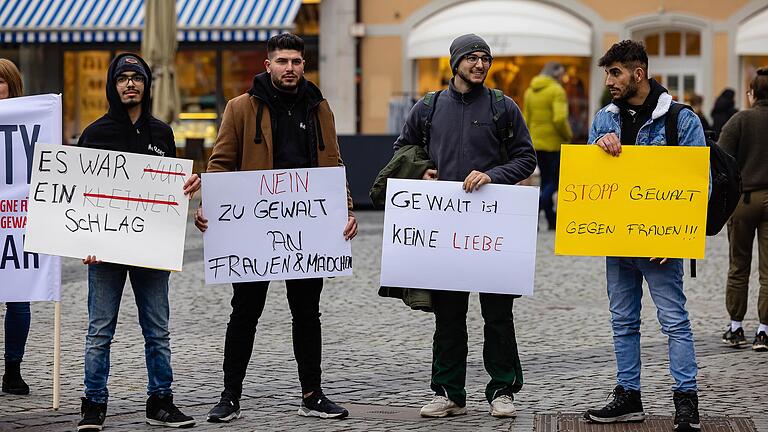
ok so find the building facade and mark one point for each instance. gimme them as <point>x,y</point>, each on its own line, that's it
<point>695,46</point>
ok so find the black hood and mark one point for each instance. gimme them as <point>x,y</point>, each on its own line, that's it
<point>117,110</point>
<point>725,102</point>
<point>264,90</point>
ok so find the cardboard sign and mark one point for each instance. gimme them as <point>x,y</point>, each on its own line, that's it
<point>651,201</point>
<point>24,122</point>
<point>275,225</point>
<point>124,208</point>
<point>437,236</point>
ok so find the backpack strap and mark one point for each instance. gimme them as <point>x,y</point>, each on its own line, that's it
<point>501,121</point>
<point>430,100</point>
<point>672,136</point>
<point>670,122</point>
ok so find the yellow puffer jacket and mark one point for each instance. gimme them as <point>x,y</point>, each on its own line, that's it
<point>546,114</point>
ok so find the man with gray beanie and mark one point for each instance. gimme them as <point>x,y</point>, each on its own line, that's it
<point>477,136</point>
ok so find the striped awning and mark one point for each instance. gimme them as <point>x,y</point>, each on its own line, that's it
<point>87,21</point>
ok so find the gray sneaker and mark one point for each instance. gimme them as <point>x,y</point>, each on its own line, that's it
<point>441,406</point>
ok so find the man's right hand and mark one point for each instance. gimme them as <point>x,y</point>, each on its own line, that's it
<point>610,143</point>
<point>200,221</point>
<point>430,174</point>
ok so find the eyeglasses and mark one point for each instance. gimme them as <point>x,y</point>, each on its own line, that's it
<point>472,59</point>
<point>123,79</point>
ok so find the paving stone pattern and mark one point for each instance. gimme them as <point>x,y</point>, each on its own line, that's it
<point>377,352</point>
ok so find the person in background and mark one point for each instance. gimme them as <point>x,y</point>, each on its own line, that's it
<point>743,137</point>
<point>546,113</point>
<point>17,314</point>
<point>724,109</point>
<point>696,103</point>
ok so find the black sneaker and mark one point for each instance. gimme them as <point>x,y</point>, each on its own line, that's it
<point>760,343</point>
<point>226,410</point>
<point>92,415</point>
<point>626,406</point>
<point>317,405</point>
<point>13,383</point>
<point>162,412</point>
<point>734,338</point>
<point>686,411</point>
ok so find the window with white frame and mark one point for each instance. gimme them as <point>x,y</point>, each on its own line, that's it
<point>674,57</point>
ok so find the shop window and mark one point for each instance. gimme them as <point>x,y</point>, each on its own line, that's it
<point>85,74</point>
<point>238,69</point>
<point>196,78</point>
<point>513,75</point>
<point>672,43</point>
<point>692,44</point>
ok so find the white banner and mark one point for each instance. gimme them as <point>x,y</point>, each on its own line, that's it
<point>437,236</point>
<point>124,208</point>
<point>24,122</point>
<point>275,225</point>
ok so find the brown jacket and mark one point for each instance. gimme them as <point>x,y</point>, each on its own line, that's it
<point>236,150</point>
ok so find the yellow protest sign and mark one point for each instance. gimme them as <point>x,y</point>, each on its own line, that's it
<point>651,201</point>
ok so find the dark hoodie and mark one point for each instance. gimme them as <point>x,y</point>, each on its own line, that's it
<point>724,109</point>
<point>633,117</point>
<point>115,131</point>
<point>293,123</point>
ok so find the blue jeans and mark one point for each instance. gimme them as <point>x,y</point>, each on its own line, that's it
<point>17,318</point>
<point>625,291</point>
<point>549,169</point>
<point>105,290</point>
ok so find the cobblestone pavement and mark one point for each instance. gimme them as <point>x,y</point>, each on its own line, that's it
<point>377,352</point>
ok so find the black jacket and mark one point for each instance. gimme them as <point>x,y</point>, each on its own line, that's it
<point>115,131</point>
<point>463,137</point>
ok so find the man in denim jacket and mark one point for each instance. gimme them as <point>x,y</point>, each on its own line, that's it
<point>637,116</point>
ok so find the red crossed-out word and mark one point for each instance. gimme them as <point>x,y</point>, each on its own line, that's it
<point>150,170</point>
<point>142,200</point>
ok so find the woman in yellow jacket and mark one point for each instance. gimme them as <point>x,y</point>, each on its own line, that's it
<point>545,111</point>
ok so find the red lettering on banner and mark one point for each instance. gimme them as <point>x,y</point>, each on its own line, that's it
<point>481,243</point>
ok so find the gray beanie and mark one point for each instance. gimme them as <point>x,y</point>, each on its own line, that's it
<point>464,45</point>
<point>130,63</point>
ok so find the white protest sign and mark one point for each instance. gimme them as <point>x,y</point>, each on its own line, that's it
<point>437,236</point>
<point>124,208</point>
<point>24,122</point>
<point>275,225</point>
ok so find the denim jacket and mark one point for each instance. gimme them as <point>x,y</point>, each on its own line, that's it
<point>689,129</point>
<point>690,132</point>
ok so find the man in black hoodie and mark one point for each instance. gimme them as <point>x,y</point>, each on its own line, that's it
<point>129,127</point>
<point>282,122</point>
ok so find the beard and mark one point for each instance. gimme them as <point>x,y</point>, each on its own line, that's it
<point>277,82</point>
<point>466,77</point>
<point>132,103</point>
<point>629,92</point>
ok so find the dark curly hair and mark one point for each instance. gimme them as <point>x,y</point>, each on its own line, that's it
<point>759,84</point>
<point>285,41</point>
<point>631,54</point>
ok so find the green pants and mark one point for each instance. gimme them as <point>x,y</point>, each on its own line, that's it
<point>449,348</point>
<point>750,217</point>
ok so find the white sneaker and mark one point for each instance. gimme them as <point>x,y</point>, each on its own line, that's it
<point>503,406</point>
<point>441,406</point>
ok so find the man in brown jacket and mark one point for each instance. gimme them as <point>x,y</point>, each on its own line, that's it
<point>282,122</point>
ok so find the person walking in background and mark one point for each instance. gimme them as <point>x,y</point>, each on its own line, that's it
<point>696,103</point>
<point>724,109</point>
<point>17,314</point>
<point>744,138</point>
<point>545,111</point>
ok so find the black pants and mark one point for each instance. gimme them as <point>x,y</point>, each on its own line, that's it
<point>549,168</point>
<point>248,304</point>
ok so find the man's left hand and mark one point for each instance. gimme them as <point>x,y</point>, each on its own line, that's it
<point>474,180</point>
<point>192,185</point>
<point>350,231</point>
<point>661,260</point>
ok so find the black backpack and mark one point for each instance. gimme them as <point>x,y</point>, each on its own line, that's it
<point>725,172</point>
<point>500,119</point>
